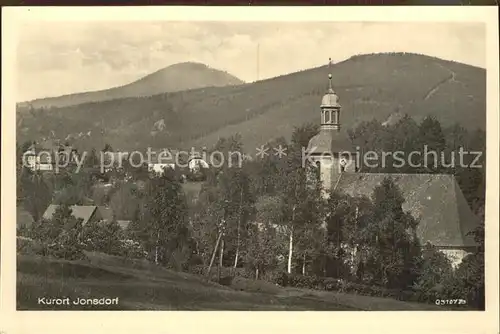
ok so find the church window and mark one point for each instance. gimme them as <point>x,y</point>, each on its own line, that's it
<point>336,117</point>
<point>343,163</point>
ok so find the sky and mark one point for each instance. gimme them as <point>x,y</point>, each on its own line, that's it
<point>57,58</point>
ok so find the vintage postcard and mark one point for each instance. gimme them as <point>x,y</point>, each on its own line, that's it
<point>251,159</point>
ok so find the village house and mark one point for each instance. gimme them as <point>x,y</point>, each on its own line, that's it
<point>163,159</point>
<point>88,213</point>
<point>44,156</point>
<point>196,163</point>
<point>436,200</point>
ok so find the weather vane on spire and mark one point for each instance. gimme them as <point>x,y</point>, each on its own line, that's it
<point>329,75</point>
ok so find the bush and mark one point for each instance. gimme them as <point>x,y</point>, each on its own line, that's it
<point>29,246</point>
<point>333,284</point>
<point>279,277</point>
<point>65,251</point>
<point>62,250</point>
<point>132,249</point>
<point>306,282</point>
<point>201,270</point>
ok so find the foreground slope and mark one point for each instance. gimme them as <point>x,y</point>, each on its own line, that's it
<point>143,286</point>
<point>177,77</point>
<point>369,86</point>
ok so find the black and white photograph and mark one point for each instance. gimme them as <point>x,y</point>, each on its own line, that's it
<point>182,165</point>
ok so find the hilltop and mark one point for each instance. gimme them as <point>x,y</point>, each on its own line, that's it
<point>177,77</point>
<point>370,87</point>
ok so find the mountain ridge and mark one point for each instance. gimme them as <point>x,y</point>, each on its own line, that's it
<point>370,87</point>
<point>176,77</point>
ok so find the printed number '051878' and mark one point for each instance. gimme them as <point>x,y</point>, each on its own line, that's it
<point>450,302</point>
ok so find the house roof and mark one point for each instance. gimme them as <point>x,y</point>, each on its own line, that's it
<point>436,199</point>
<point>84,212</point>
<point>330,100</point>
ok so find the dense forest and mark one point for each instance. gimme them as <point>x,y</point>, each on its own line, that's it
<point>268,221</point>
<point>369,86</point>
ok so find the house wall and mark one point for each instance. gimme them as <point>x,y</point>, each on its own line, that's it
<point>197,163</point>
<point>159,168</point>
<point>455,255</point>
<point>44,167</point>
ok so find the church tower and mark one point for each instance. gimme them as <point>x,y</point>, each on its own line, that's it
<point>331,150</point>
<point>330,109</point>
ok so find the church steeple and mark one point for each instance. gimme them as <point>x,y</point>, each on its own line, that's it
<point>331,149</point>
<point>330,107</point>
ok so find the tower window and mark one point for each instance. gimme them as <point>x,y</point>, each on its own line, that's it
<point>343,163</point>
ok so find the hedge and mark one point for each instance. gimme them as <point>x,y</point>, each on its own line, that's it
<point>338,285</point>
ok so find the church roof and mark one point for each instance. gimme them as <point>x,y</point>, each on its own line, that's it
<point>330,141</point>
<point>330,100</point>
<point>436,199</point>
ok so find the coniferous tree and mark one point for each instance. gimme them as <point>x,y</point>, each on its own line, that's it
<point>432,136</point>
<point>395,254</point>
<point>91,159</point>
<point>36,192</point>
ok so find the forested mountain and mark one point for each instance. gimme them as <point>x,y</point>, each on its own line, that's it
<point>177,77</point>
<point>376,86</point>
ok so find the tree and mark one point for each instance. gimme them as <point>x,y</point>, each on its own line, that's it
<point>403,136</point>
<point>107,148</point>
<point>394,257</point>
<point>346,218</point>
<point>60,234</point>
<point>237,203</point>
<point>164,221</point>
<point>303,134</point>
<point>73,188</point>
<point>265,240</point>
<point>124,201</point>
<point>432,136</point>
<point>225,207</point>
<point>92,160</point>
<point>369,136</point>
<point>103,237</point>
<point>36,193</point>
<point>302,205</point>
<point>310,231</point>
<point>435,270</point>
<point>72,195</point>
<point>205,219</point>
<point>467,282</point>
<point>262,248</point>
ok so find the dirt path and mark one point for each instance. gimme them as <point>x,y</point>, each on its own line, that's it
<point>450,78</point>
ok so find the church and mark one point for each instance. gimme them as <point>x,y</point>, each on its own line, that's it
<point>435,199</point>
